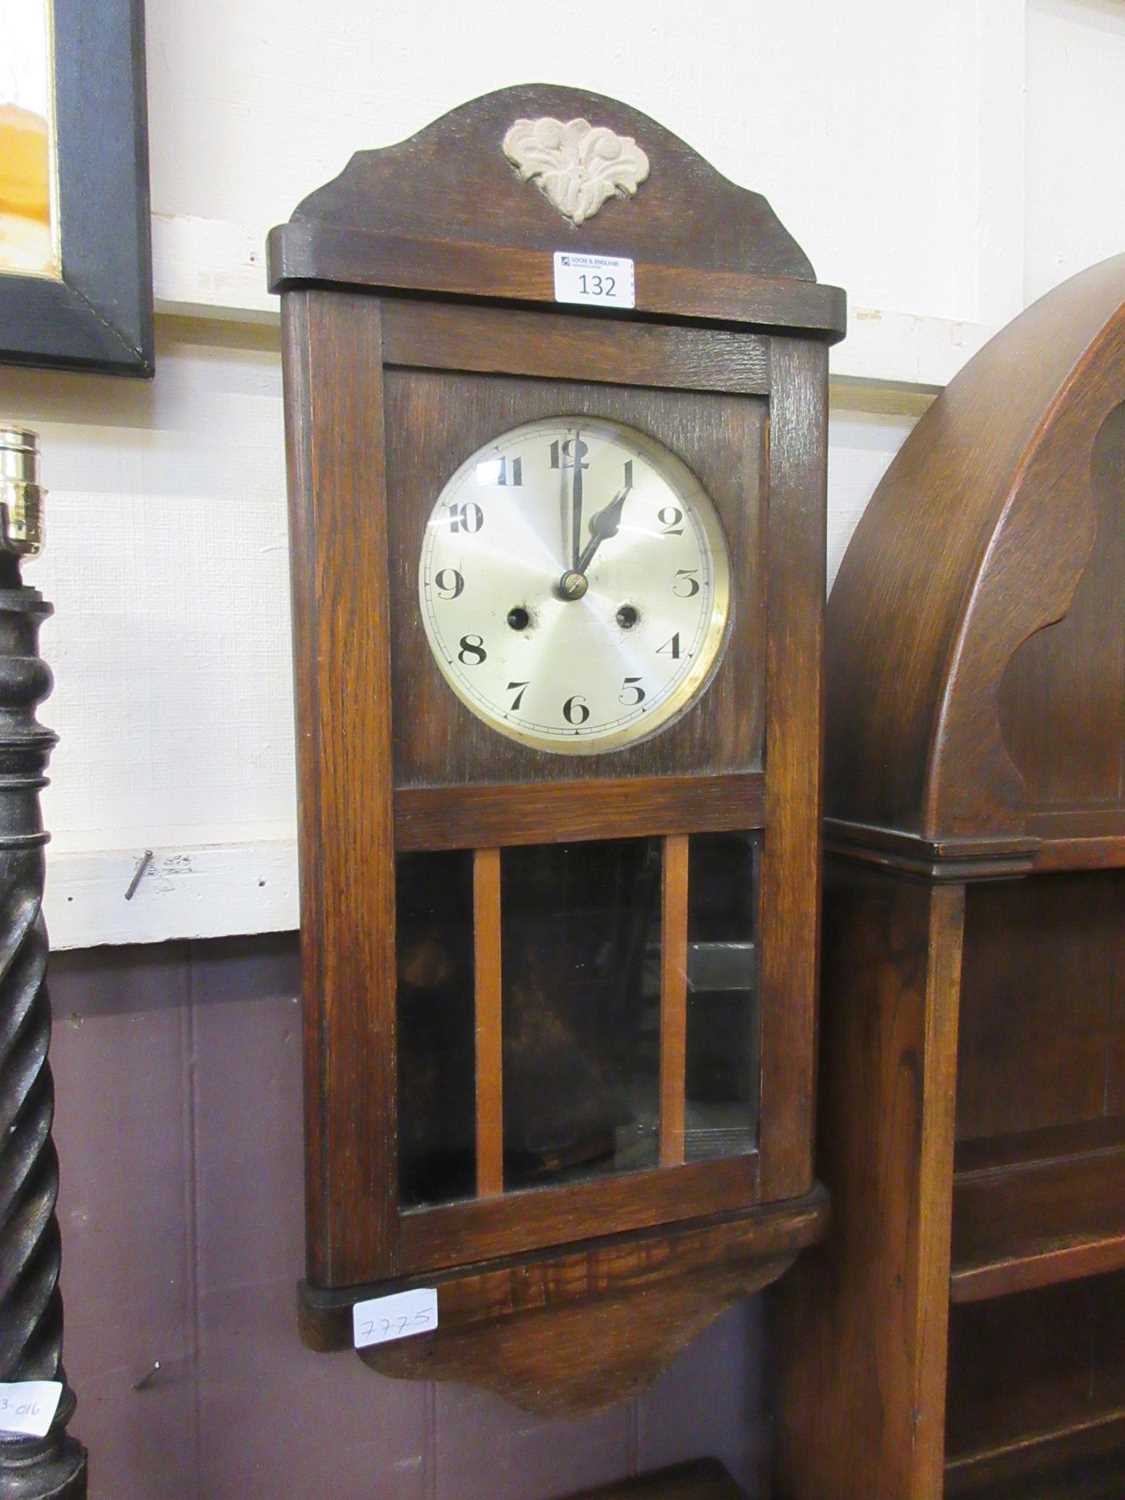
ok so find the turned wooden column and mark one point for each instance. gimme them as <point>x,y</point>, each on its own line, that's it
<point>31,1313</point>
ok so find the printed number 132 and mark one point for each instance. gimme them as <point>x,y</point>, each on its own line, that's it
<point>596,285</point>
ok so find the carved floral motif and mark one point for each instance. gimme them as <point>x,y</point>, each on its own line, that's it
<point>578,165</point>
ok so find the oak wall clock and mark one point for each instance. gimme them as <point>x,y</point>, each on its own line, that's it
<point>556,404</point>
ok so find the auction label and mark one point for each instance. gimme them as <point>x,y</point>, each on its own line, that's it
<point>594,280</point>
<point>399,1316</point>
<point>28,1407</point>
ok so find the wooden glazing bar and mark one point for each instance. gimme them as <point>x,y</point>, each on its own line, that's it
<point>488,1023</point>
<point>673,999</point>
<point>476,817</point>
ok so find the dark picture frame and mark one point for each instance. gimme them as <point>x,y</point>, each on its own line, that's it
<point>99,315</point>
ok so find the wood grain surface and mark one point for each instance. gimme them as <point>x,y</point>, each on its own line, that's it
<point>1064,680</point>
<point>454,173</point>
<point>550,812</point>
<point>492,341</point>
<point>862,1323</point>
<point>341,647</point>
<point>527,1327</point>
<point>1040,1378</point>
<point>1043,1023</point>
<point>1056,1216</point>
<point>314,251</point>
<point>790,887</point>
<point>537,1217</point>
<point>673,1000</point>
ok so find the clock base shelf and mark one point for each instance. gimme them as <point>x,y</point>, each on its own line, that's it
<point>577,1329</point>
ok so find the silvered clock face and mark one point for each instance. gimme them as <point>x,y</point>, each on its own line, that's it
<point>574,585</point>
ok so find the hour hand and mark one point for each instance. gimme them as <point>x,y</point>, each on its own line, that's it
<point>603,525</point>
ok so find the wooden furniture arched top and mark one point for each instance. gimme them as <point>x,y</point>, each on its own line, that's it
<point>963,729</point>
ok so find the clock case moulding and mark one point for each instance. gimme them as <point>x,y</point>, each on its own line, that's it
<point>418,318</point>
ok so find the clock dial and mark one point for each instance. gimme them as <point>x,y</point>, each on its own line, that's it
<point>574,585</point>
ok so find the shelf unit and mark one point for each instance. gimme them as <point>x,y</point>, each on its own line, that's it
<point>972,1110</point>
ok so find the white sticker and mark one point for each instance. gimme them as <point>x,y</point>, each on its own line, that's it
<point>28,1407</point>
<point>399,1316</point>
<point>595,280</point>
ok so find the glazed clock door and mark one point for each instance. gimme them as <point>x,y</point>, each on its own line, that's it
<point>577,614</point>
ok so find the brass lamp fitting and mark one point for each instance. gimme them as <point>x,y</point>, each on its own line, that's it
<point>21,496</point>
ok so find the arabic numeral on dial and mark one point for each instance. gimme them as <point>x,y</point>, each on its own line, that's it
<point>575,710</point>
<point>519,688</point>
<point>472,651</point>
<point>511,472</point>
<point>569,454</point>
<point>468,517</point>
<point>670,517</point>
<point>670,648</point>
<point>686,584</point>
<point>631,685</point>
<point>448,582</point>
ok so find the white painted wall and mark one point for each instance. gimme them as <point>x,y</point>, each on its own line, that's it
<point>884,133</point>
<point>1075,138</point>
<point>938,162</point>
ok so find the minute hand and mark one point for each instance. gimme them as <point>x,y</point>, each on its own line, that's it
<point>602,526</point>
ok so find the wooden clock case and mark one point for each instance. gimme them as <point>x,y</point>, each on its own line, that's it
<point>963,1332</point>
<point>418,321</point>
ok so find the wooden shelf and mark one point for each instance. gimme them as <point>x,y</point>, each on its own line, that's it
<point>1078,1462</point>
<point>1080,840</point>
<point>1038,1208</point>
<point>1037,1381</point>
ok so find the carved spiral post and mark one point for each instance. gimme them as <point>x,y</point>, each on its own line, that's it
<point>31,1315</point>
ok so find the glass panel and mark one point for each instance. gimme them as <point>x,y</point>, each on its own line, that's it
<point>723,1022</point>
<point>581,977</point>
<point>436,1072</point>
